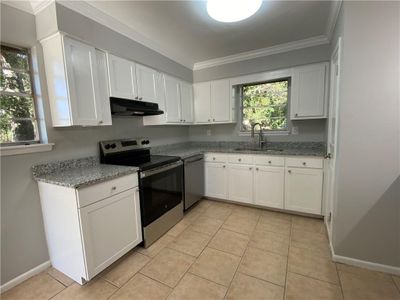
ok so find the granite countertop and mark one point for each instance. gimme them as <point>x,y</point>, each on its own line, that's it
<point>185,150</point>
<point>76,173</point>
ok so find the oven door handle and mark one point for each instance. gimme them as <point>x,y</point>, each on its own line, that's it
<point>161,169</point>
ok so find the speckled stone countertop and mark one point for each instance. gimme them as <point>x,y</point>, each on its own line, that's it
<point>80,172</point>
<point>185,150</point>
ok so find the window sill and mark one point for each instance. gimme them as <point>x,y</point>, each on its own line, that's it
<point>25,149</point>
<point>274,133</point>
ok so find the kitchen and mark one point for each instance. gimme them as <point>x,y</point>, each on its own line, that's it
<point>262,193</point>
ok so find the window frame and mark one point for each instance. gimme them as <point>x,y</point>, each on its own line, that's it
<point>287,130</point>
<point>34,118</point>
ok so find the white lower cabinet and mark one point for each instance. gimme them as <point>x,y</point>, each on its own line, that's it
<point>110,228</point>
<point>89,228</point>
<point>269,186</point>
<point>292,183</point>
<point>216,180</point>
<point>240,183</point>
<point>303,190</point>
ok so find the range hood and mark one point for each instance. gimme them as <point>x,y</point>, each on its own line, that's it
<point>127,108</point>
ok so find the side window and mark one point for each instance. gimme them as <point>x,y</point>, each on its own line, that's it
<point>17,108</point>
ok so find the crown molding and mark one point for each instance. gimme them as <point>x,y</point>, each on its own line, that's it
<point>33,8</point>
<point>281,48</point>
<point>333,17</point>
<point>88,10</point>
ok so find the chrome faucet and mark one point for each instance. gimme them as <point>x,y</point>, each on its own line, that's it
<point>261,141</point>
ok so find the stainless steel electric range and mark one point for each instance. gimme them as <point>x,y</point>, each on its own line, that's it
<point>160,183</point>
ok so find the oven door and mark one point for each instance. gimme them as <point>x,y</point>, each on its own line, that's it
<point>161,190</point>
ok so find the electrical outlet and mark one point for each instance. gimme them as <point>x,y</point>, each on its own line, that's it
<point>295,130</point>
<point>208,132</point>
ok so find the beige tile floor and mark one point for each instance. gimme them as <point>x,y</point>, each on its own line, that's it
<point>225,251</point>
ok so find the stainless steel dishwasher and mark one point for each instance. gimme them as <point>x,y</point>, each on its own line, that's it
<point>194,179</point>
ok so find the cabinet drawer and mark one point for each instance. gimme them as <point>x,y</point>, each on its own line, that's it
<point>215,157</point>
<point>240,159</point>
<point>263,160</point>
<point>304,162</point>
<point>93,193</point>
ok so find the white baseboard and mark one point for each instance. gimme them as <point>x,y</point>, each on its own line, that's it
<point>362,263</point>
<point>17,280</point>
<point>366,264</point>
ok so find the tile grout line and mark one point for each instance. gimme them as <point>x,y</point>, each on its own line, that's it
<point>187,271</point>
<point>241,259</point>
<point>287,259</point>
<point>340,281</point>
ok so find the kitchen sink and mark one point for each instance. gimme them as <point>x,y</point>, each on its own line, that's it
<point>258,149</point>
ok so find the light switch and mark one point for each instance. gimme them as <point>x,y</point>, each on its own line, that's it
<point>208,132</point>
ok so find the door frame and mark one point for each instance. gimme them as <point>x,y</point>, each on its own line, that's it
<point>331,170</point>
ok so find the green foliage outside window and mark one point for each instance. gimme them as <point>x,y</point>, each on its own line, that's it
<point>267,104</point>
<point>17,116</point>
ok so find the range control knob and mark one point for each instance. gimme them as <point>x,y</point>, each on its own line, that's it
<point>143,142</point>
<point>113,146</point>
<point>107,146</point>
<point>147,142</point>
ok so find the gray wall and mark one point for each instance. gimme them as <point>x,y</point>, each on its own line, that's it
<point>104,38</point>
<point>267,63</point>
<point>23,244</point>
<point>309,130</point>
<point>367,221</point>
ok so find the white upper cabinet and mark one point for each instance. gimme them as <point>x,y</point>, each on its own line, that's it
<point>172,99</point>
<point>122,75</point>
<point>202,102</point>
<point>220,101</point>
<point>309,92</point>
<point>186,102</point>
<point>147,83</point>
<point>73,78</point>
<point>213,102</point>
<point>103,88</point>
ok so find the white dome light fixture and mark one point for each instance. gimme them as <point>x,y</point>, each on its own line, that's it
<point>232,10</point>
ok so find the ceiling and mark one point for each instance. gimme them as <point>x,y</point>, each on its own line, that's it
<point>183,31</point>
<point>184,27</point>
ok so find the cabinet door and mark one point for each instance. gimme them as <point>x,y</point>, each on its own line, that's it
<point>147,83</point>
<point>216,180</point>
<point>105,111</point>
<point>269,186</point>
<point>309,92</point>
<point>83,85</point>
<point>303,190</point>
<point>187,102</point>
<point>202,102</point>
<point>220,101</point>
<point>122,78</point>
<point>172,99</point>
<point>110,228</point>
<point>240,183</point>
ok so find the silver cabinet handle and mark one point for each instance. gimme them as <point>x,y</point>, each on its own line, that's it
<point>269,161</point>
<point>213,158</point>
<point>140,98</point>
<point>223,166</point>
<point>296,115</point>
<point>250,168</point>
<point>209,120</point>
<point>113,188</point>
<point>304,163</point>
<point>289,171</point>
<point>101,122</point>
<point>213,120</point>
<point>256,169</point>
<point>136,97</point>
<point>239,159</point>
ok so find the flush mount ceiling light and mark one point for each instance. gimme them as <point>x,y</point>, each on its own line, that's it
<point>232,10</point>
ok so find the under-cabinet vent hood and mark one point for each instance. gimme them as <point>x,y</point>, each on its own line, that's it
<point>127,108</point>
